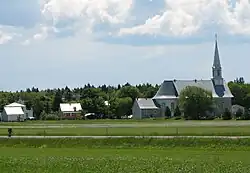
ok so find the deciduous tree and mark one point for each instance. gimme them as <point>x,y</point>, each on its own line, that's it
<point>195,102</point>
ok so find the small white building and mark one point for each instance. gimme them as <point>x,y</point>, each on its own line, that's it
<point>16,112</point>
<point>70,110</point>
<point>13,112</point>
<point>145,108</point>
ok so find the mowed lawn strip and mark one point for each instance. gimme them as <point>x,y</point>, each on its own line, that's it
<point>141,160</point>
<point>131,131</point>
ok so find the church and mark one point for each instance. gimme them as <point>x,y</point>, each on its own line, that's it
<point>169,91</point>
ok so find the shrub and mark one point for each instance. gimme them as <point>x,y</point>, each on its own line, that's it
<point>246,115</point>
<point>51,117</point>
<point>177,118</point>
<point>227,115</point>
<point>167,112</point>
<point>239,114</point>
<point>177,112</point>
<point>43,115</point>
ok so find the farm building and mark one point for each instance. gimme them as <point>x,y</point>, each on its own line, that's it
<point>145,108</point>
<point>16,112</point>
<point>70,110</point>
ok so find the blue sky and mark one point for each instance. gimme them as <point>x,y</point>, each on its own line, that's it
<point>54,43</point>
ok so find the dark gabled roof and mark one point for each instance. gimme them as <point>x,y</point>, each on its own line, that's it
<point>146,103</point>
<point>167,90</point>
<point>172,89</point>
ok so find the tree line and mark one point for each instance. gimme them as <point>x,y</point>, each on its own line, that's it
<point>94,98</point>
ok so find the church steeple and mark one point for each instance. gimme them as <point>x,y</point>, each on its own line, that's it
<point>217,70</point>
<point>216,54</point>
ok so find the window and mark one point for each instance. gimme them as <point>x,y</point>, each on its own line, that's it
<point>172,106</point>
<point>163,105</point>
<point>218,73</point>
<point>222,105</point>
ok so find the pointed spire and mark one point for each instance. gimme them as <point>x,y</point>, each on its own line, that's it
<point>216,54</point>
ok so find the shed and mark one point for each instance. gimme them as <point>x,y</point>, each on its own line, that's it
<point>13,114</point>
<point>145,108</point>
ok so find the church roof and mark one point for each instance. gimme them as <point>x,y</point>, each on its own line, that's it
<point>166,91</point>
<point>172,89</point>
<point>146,103</point>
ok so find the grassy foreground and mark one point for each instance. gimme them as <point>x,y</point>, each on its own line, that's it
<point>134,131</point>
<point>123,161</point>
<point>124,156</point>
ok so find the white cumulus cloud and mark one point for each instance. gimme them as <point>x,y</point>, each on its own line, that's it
<point>183,18</point>
<point>43,34</point>
<point>90,12</point>
<point>5,37</point>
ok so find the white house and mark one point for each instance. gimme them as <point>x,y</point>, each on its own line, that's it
<point>16,112</point>
<point>13,112</point>
<point>70,110</point>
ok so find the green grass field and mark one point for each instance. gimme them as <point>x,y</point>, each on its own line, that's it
<point>124,156</point>
<point>178,160</point>
<point>123,131</point>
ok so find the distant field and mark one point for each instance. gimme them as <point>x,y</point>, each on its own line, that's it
<point>128,131</point>
<point>124,156</point>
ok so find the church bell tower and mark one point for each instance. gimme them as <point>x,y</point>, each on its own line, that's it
<point>217,70</point>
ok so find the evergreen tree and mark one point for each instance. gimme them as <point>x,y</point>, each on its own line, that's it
<point>56,101</point>
<point>177,112</point>
<point>167,112</point>
<point>227,115</point>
